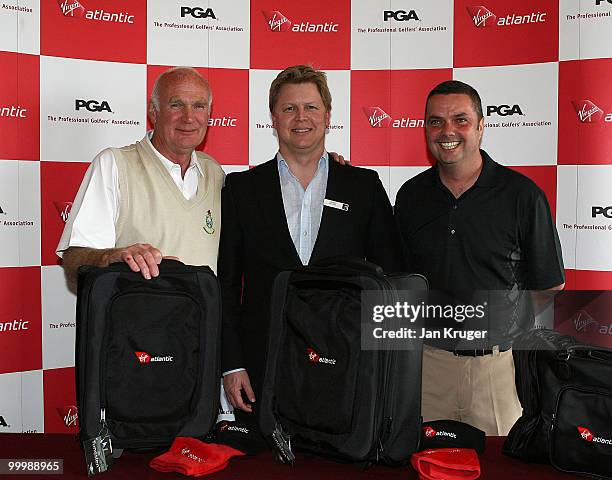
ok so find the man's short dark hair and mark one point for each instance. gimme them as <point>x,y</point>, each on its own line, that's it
<point>301,74</point>
<point>455,86</point>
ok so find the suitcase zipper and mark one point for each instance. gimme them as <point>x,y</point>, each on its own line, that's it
<point>386,423</point>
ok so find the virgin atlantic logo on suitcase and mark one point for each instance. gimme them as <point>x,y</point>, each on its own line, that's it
<point>588,436</point>
<point>232,428</point>
<point>314,357</point>
<point>430,433</point>
<point>144,357</point>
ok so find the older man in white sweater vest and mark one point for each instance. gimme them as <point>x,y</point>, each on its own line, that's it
<point>156,198</point>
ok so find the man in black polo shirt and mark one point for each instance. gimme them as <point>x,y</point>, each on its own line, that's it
<point>471,224</point>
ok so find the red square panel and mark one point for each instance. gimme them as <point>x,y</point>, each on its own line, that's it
<point>227,138</point>
<point>317,32</point>
<point>60,401</point>
<point>19,106</point>
<point>387,110</point>
<point>111,30</point>
<point>545,177</point>
<point>20,319</point>
<point>585,112</point>
<point>59,185</point>
<point>585,315</point>
<point>498,32</point>
<point>587,280</point>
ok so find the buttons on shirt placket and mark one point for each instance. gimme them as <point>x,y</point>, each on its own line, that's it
<point>451,220</point>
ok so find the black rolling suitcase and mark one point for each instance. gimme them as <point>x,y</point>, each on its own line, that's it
<point>147,358</point>
<point>321,392</point>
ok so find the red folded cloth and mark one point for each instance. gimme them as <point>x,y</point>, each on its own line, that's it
<point>190,456</point>
<point>447,464</point>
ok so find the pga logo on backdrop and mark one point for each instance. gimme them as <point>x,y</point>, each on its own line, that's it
<point>92,105</point>
<point>504,110</point>
<point>198,12</point>
<point>601,211</point>
<point>400,15</point>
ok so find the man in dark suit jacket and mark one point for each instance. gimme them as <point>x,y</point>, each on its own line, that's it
<point>294,210</point>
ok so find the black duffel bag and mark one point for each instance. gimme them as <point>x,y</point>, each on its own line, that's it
<point>565,388</point>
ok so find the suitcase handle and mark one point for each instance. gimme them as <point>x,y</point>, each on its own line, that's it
<point>601,355</point>
<point>352,263</point>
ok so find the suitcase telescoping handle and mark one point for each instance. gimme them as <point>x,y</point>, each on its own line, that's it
<point>348,262</point>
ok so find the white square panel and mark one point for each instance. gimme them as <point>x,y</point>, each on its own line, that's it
<point>20,26</point>
<point>10,403</point>
<point>58,319</point>
<point>585,27</point>
<point>395,34</point>
<point>263,143</point>
<point>32,402</point>
<point>370,38</point>
<point>86,106</point>
<point>19,213</point>
<point>177,32</point>
<point>229,40</point>
<point>519,104</point>
<point>567,189</point>
<point>585,225</point>
<point>21,402</point>
<point>213,33</point>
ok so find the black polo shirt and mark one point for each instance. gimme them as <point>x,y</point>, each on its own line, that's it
<point>498,235</point>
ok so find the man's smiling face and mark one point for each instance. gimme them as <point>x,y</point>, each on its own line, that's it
<point>300,119</point>
<point>453,129</point>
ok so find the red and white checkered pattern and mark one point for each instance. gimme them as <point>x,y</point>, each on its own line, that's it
<point>75,77</point>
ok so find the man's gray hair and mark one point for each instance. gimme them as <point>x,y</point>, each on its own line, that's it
<point>184,71</point>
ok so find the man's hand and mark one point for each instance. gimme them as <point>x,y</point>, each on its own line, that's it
<point>140,257</point>
<point>339,158</point>
<point>234,384</point>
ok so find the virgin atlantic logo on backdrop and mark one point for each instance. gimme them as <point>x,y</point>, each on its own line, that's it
<point>583,322</point>
<point>63,208</point>
<point>277,21</point>
<point>280,23</point>
<point>13,111</point>
<point>587,111</point>
<point>377,117</point>
<point>429,432</point>
<point>483,17</point>
<point>71,8</point>
<point>70,415</point>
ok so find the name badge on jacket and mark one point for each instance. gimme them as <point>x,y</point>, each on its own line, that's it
<point>333,204</point>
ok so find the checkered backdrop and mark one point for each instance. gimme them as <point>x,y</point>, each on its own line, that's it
<point>75,77</point>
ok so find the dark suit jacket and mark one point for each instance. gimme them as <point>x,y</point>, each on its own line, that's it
<point>256,245</point>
